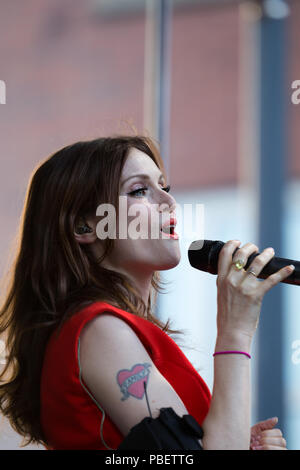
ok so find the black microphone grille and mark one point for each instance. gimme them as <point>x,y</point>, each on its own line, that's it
<point>203,255</point>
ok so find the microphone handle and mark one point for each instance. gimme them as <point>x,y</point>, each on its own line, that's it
<point>271,267</point>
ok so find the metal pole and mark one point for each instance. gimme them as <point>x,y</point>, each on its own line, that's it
<point>273,139</point>
<point>157,79</point>
<point>157,74</point>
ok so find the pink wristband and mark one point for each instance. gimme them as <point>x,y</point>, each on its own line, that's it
<point>232,352</point>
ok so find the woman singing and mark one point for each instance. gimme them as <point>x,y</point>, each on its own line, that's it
<point>86,358</point>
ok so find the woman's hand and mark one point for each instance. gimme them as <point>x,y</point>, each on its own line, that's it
<point>265,437</point>
<point>240,293</point>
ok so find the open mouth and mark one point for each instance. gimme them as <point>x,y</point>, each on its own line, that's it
<point>169,229</point>
<point>169,232</point>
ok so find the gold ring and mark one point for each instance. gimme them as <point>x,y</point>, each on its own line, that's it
<point>251,272</point>
<point>239,264</point>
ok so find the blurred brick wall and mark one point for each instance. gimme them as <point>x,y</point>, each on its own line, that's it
<point>204,97</point>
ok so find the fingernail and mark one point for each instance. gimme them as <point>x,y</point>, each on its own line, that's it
<point>292,267</point>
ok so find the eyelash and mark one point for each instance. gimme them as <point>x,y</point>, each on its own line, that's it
<point>133,193</point>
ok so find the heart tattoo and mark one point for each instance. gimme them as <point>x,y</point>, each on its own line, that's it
<point>132,381</point>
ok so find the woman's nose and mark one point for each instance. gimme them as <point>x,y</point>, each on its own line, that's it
<point>167,203</point>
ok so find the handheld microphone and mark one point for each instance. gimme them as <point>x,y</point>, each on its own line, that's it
<point>203,255</point>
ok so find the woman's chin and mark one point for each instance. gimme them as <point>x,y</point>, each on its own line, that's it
<point>169,263</point>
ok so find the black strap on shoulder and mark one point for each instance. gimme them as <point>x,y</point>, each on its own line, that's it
<point>167,431</point>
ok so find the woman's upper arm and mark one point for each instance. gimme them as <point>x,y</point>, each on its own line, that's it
<point>114,365</point>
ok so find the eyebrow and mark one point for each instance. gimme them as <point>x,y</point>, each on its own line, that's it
<point>142,175</point>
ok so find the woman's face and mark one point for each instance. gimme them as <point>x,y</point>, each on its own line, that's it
<point>148,203</point>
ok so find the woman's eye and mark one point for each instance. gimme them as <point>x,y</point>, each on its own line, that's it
<point>136,191</point>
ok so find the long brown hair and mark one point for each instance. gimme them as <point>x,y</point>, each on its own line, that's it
<point>53,276</point>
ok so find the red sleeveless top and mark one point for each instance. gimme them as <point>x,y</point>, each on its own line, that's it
<point>71,418</point>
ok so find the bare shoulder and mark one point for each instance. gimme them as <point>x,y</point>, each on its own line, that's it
<point>108,327</point>
<point>106,340</point>
<point>108,319</point>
